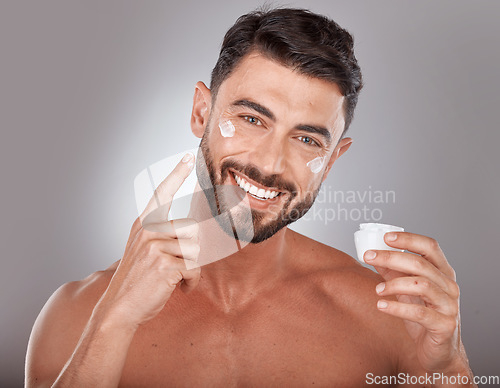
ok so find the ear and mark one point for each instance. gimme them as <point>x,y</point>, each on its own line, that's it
<point>202,104</point>
<point>341,147</point>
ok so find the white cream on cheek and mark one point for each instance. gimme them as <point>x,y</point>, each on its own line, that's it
<point>316,165</point>
<point>226,128</point>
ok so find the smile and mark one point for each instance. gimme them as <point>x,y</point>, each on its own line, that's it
<point>259,193</point>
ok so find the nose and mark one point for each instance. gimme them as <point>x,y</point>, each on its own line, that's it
<point>270,155</point>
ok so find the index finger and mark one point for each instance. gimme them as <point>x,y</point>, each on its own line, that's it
<point>158,206</point>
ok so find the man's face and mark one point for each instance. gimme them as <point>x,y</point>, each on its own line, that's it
<point>275,129</point>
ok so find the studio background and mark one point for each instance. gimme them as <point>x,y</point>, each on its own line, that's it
<point>93,92</point>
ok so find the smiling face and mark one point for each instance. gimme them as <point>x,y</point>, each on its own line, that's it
<point>271,138</point>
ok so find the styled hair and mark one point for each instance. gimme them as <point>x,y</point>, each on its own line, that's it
<point>309,43</point>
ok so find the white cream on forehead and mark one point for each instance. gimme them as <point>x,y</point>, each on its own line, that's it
<point>226,128</point>
<point>316,164</point>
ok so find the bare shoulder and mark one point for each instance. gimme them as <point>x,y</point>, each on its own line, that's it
<point>348,287</point>
<point>337,274</point>
<point>60,324</point>
<point>339,277</point>
<point>318,257</point>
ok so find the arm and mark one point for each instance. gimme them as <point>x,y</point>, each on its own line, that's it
<point>458,374</point>
<point>461,370</point>
<point>77,342</point>
<point>98,357</point>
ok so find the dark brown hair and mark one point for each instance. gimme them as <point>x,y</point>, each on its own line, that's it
<point>309,43</point>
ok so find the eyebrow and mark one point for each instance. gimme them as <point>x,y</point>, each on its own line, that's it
<point>256,107</point>
<point>322,131</point>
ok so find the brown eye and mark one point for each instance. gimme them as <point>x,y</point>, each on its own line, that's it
<point>307,140</point>
<point>252,120</point>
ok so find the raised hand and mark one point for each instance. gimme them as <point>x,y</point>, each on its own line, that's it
<point>159,255</point>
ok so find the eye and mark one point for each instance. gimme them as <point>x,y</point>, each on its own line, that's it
<point>308,141</point>
<point>252,120</point>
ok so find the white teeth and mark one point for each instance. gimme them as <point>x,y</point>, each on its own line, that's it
<point>249,188</point>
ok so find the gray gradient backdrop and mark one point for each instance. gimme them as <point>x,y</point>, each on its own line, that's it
<point>93,92</point>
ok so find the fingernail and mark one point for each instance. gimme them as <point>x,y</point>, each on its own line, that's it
<point>391,236</point>
<point>380,287</point>
<point>370,255</point>
<point>189,156</point>
<point>382,304</point>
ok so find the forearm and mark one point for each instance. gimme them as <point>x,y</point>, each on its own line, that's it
<point>100,355</point>
<point>463,378</point>
<point>460,374</point>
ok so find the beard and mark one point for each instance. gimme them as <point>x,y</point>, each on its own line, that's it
<point>249,225</point>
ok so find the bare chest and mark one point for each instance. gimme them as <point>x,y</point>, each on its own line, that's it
<point>277,342</point>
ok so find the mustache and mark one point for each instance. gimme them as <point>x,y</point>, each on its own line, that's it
<point>254,173</point>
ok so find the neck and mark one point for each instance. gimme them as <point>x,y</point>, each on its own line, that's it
<point>234,273</point>
<point>242,276</point>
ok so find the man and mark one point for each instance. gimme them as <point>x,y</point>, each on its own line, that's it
<point>284,310</point>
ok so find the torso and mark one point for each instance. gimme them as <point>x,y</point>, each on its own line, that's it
<point>308,330</point>
<point>282,342</point>
<point>317,328</point>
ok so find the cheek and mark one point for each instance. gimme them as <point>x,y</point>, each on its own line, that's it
<point>310,172</point>
<point>226,128</point>
<point>316,164</point>
<point>313,184</point>
<point>221,140</point>
<point>227,139</point>
<point>307,182</point>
